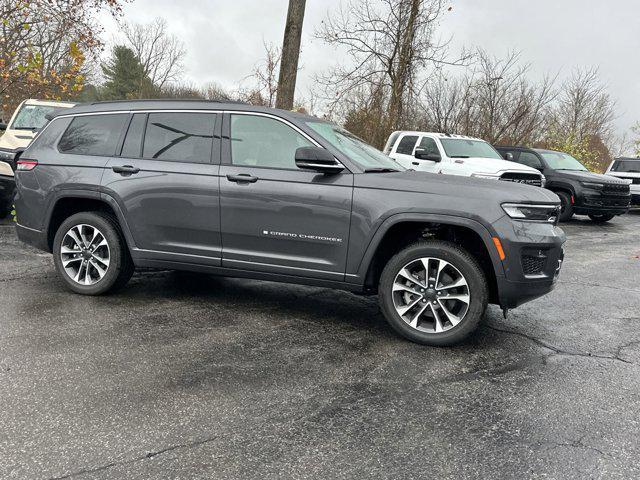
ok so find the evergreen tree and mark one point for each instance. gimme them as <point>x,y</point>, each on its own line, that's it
<point>124,76</point>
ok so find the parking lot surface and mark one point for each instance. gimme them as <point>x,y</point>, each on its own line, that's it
<point>193,376</point>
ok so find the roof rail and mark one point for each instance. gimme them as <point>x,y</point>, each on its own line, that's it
<point>141,100</point>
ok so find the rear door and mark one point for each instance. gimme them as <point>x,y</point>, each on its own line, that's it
<point>166,181</point>
<point>275,217</point>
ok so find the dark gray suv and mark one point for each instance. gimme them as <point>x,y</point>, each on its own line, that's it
<point>237,190</point>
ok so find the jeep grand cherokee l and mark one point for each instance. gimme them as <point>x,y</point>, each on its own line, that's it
<point>244,191</point>
<point>581,192</point>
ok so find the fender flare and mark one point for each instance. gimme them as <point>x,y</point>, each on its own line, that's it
<point>481,230</point>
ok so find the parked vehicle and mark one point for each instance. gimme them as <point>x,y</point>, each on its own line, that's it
<point>29,117</point>
<point>581,192</point>
<point>237,190</point>
<point>456,155</point>
<point>628,169</point>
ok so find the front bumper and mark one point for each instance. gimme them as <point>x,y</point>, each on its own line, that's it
<point>534,257</point>
<point>597,203</point>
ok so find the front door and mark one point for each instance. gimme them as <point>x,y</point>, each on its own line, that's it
<point>275,217</point>
<point>166,180</point>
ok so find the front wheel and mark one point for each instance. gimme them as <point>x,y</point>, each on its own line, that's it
<point>90,253</point>
<point>602,218</point>
<point>433,293</point>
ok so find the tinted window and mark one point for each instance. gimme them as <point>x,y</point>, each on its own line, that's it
<point>93,135</point>
<point>406,145</point>
<point>429,144</point>
<point>264,142</point>
<point>529,159</point>
<point>133,141</point>
<point>179,137</point>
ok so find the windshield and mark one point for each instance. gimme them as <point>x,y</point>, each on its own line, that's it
<point>464,148</point>
<point>629,166</point>
<point>563,161</point>
<point>31,117</point>
<point>356,149</point>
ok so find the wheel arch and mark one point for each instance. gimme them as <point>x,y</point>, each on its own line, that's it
<point>401,230</point>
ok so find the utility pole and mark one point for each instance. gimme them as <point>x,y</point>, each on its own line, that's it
<point>290,54</point>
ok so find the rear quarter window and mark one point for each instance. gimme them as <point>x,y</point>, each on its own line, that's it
<point>93,135</point>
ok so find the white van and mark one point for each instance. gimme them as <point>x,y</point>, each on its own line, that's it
<point>27,120</point>
<point>457,155</point>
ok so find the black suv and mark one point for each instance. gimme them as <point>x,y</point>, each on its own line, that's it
<point>245,191</point>
<point>581,192</point>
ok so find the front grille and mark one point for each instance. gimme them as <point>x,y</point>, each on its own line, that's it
<point>533,264</point>
<point>615,189</point>
<point>526,178</point>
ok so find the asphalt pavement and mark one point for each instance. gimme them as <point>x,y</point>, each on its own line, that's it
<point>188,376</point>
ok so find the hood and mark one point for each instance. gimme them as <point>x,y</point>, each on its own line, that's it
<point>494,165</point>
<point>476,190</point>
<point>14,139</point>
<point>591,177</point>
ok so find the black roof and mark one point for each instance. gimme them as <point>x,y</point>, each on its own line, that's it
<point>178,104</point>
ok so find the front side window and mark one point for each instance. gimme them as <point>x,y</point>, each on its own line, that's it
<point>629,166</point>
<point>466,148</point>
<point>93,135</point>
<point>31,117</point>
<point>405,147</point>
<point>353,147</point>
<point>563,161</point>
<point>429,145</point>
<point>264,142</point>
<point>179,137</point>
<point>530,160</point>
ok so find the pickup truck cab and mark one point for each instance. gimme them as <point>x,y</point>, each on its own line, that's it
<point>457,155</point>
<point>245,191</point>
<point>628,169</point>
<point>26,121</point>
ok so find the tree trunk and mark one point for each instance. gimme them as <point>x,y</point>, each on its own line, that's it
<point>290,54</point>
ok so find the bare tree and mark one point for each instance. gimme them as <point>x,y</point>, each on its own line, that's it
<point>290,54</point>
<point>389,43</point>
<point>265,90</point>
<point>159,52</point>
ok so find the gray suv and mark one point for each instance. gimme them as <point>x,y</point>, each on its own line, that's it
<point>236,190</point>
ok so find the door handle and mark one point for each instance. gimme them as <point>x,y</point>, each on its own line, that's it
<point>242,178</point>
<point>125,169</point>
<point>415,163</point>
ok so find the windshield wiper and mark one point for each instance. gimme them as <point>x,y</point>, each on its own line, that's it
<point>459,156</point>
<point>380,170</point>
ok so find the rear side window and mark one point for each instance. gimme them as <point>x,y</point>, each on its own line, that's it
<point>132,146</point>
<point>93,135</point>
<point>406,145</point>
<point>179,137</point>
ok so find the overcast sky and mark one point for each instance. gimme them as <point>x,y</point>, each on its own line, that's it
<point>224,38</point>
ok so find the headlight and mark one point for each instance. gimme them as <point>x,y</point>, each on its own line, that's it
<point>490,176</point>
<point>532,213</point>
<point>6,156</point>
<point>593,185</point>
<point>544,181</point>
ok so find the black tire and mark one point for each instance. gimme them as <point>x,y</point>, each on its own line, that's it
<point>464,263</point>
<point>602,218</point>
<point>120,266</point>
<point>566,207</point>
<point>5,210</point>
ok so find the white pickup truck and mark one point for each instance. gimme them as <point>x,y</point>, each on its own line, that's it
<point>457,155</point>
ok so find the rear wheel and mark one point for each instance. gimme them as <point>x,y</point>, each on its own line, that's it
<point>433,293</point>
<point>90,253</point>
<point>566,207</point>
<point>602,218</point>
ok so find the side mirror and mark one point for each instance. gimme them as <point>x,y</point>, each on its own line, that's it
<point>318,160</point>
<point>3,126</point>
<point>509,156</point>
<point>422,154</point>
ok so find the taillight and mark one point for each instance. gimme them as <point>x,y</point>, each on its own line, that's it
<point>26,165</point>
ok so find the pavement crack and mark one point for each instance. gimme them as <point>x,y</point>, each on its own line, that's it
<point>572,353</point>
<point>140,458</point>
<point>575,444</point>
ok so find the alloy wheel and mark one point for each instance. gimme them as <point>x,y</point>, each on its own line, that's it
<point>85,254</point>
<point>431,295</point>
